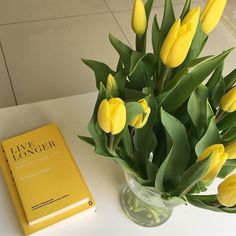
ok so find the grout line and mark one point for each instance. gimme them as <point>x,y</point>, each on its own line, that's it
<point>229,27</point>
<point>122,31</point>
<point>11,84</point>
<point>52,18</point>
<point>154,6</point>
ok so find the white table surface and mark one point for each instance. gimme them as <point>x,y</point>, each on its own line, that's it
<point>103,177</point>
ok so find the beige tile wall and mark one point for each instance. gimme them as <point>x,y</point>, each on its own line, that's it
<point>42,43</point>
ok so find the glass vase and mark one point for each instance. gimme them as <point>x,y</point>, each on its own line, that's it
<point>142,205</point>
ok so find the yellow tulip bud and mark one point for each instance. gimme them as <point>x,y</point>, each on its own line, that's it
<point>192,18</point>
<point>179,39</point>
<point>140,120</point>
<point>227,191</point>
<point>111,115</point>
<point>111,86</point>
<point>139,18</point>
<point>228,101</point>
<point>218,158</point>
<point>211,14</point>
<point>231,149</point>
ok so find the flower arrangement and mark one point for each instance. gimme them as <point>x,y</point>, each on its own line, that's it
<point>168,118</point>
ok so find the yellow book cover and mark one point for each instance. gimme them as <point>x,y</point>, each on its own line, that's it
<point>44,181</point>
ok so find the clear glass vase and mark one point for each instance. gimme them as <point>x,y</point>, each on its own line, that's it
<point>142,205</point>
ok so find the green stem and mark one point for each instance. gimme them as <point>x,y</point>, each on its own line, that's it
<point>219,116</point>
<point>111,143</point>
<point>132,132</point>
<point>160,83</point>
<point>140,44</point>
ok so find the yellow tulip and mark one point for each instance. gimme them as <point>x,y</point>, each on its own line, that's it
<point>211,14</point>
<point>218,158</point>
<point>192,18</point>
<point>231,149</point>
<point>111,115</point>
<point>227,191</point>
<point>139,18</point>
<point>140,120</point>
<point>228,101</point>
<point>111,86</point>
<point>179,39</point>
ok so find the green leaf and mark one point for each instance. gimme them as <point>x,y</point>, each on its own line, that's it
<point>197,112</point>
<point>186,9</point>
<point>198,44</point>
<point>208,202</point>
<point>202,92</point>
<point>231,162</point>
<point>231,210</point>
<point>185,82</point>
<point>226,170</point>
<point>216,86</point>
<point>123,50</point>
<point>132,109</point>
<point>131,94</point>
<point>101,71</point>
<point>230,80</point>
<point>211,137</point>
<point>126,167</point>
<point>128,143</point>
<point>151,170</point>
<point>156,37</point>
<point>209,112</point>
<point>145,148</point>
<point>148,7</point>
<point>135,57</point>
<point>228,167</point>
<point>172,168</point>
<point>199,187</point>
<point>191,176</point>
<point>87,140</point>
<point>228,135</point>
<point>120,78</point>
<point>119,66</point>
<point>228,121</point>
<point>168,20</point>
<point>142,72</point>
<point>97,134</point>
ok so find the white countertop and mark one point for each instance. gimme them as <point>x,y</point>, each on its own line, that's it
<point>103,177</point>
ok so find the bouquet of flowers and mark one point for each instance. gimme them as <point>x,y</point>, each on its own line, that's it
<point>168,117</point>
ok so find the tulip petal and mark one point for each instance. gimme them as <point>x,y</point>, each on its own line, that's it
<point>181,46</point>
<point>169,41</point>
<point>228,101</point>
<point>212,14</point>
<point>139,19</point>
<point>118,115</point>
<point>136,120</point>
<point>207,8</point>
<point>143,118</point>
<point>192,17</point>
<point>219,157</point>
<point>140,120</point>
<point>227,191</point>
<point>231,150</point>
<point>103,116</point>
<point>216,164</point>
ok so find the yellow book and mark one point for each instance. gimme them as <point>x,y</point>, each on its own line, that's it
<point>44,181</point>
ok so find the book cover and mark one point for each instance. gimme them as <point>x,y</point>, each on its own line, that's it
<point>43,179</point>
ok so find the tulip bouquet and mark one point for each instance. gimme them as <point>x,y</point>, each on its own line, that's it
<point>168,117</point>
